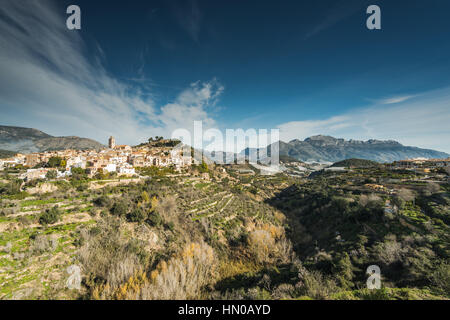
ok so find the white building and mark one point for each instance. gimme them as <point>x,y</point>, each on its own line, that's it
<point>110,167</point>
<point>126,169</point>
<point>76,162</point>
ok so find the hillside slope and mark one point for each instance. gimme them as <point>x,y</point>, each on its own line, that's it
<point>27,140</point>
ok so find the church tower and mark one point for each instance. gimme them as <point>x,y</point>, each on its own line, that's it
<point>112,142</point>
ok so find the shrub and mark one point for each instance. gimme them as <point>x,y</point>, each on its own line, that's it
<point>184,276</point>
<point>155,219</point>
<point>51,174</point>
<point>137,215</point>
<point>374,294</point>
<point>42,243</point>
<point>441,277</point>
<point>344,270</point>
<point>55,162</point>
<point>12,188</point>
<point>102,201</point>
<point>283,291</point>
<point>406,195</point>
<point>108,260</point>
<point>389,252</point>
<point>261,244</point>
<point>315,285</point>
<point>433,188</point>
<point>50,216</point>
<point>168,209</point>
<point>119,208</point>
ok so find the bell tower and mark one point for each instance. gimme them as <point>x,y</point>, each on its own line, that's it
<point>112,142</point>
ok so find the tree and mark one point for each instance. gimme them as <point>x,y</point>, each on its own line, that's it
<point>12,188</point>
<point>447,170</point>
<point>203,167</point>
<point>261,244</point>
<point>137,215</point>
<point>154,219</point>
<point>407,195</point>
<point>119,208</point>
<point>51,174</point>
<point>145,197</point>
<point>100,175</point>
<point>345,271</point>
<point>79,174</point>
<point>102,201</point>
<point>433,188</point>
<point>50,216</point>
<point>154,203</point>
<point>55,162</point>
<point>398,202</point>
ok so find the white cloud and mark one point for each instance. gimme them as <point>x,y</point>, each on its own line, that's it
<point>46,82</point>
<point>421,121</point>
<point>396,99</point>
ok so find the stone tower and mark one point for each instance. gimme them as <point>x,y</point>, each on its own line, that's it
<point>112,142</point>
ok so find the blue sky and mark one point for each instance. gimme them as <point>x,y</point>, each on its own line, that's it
<point>142,68</point>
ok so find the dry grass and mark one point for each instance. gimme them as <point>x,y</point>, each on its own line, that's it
<point>107,259</point>
<point>184,276</point>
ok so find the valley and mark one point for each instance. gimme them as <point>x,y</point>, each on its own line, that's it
<point>228,234</point>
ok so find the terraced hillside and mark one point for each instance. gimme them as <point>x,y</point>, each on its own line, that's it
<point>34,256</point>
<point>221,233</point>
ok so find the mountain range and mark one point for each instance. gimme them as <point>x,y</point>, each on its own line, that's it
<point>318,148</point>
<point>27,140</point>
<point>329,149</point>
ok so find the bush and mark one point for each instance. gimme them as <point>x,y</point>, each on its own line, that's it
<point>119,208</point>
<point>50,216</point>
<point>441,278</point>
<point>168,209</point>
<point>155,219</point>
<point>389,252</point>
<point>42,243</point>
<point>55,162</point>
<point>184,276</point>
<point>108,260</point>
<point>12,188</point>
<point>261,244</point>
<point>433,188</point>
<point>137,215</point>
<point>102,201</point>
<point>315,285</point>
<point>51,174</point>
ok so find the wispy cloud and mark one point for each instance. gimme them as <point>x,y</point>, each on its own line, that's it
<point>394,99</point>
<point>422,121</point>
<point>339,11</point>
<point>47,82</point>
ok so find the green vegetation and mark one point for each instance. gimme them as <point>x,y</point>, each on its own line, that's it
<point>50,216</point>
<point>6,154</point>
<point>227,235</point>
<point>356,163</point>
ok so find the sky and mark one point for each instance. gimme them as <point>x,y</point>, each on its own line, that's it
<point>144,68</point>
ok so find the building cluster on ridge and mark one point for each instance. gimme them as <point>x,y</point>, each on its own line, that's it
<point>121,159</point>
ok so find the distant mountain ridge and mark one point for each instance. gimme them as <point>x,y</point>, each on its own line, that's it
<point>27,140</point>
<point>330,149</point>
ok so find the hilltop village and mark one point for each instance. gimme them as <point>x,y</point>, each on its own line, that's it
<point>136,218</point>
<point>117,159</point>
